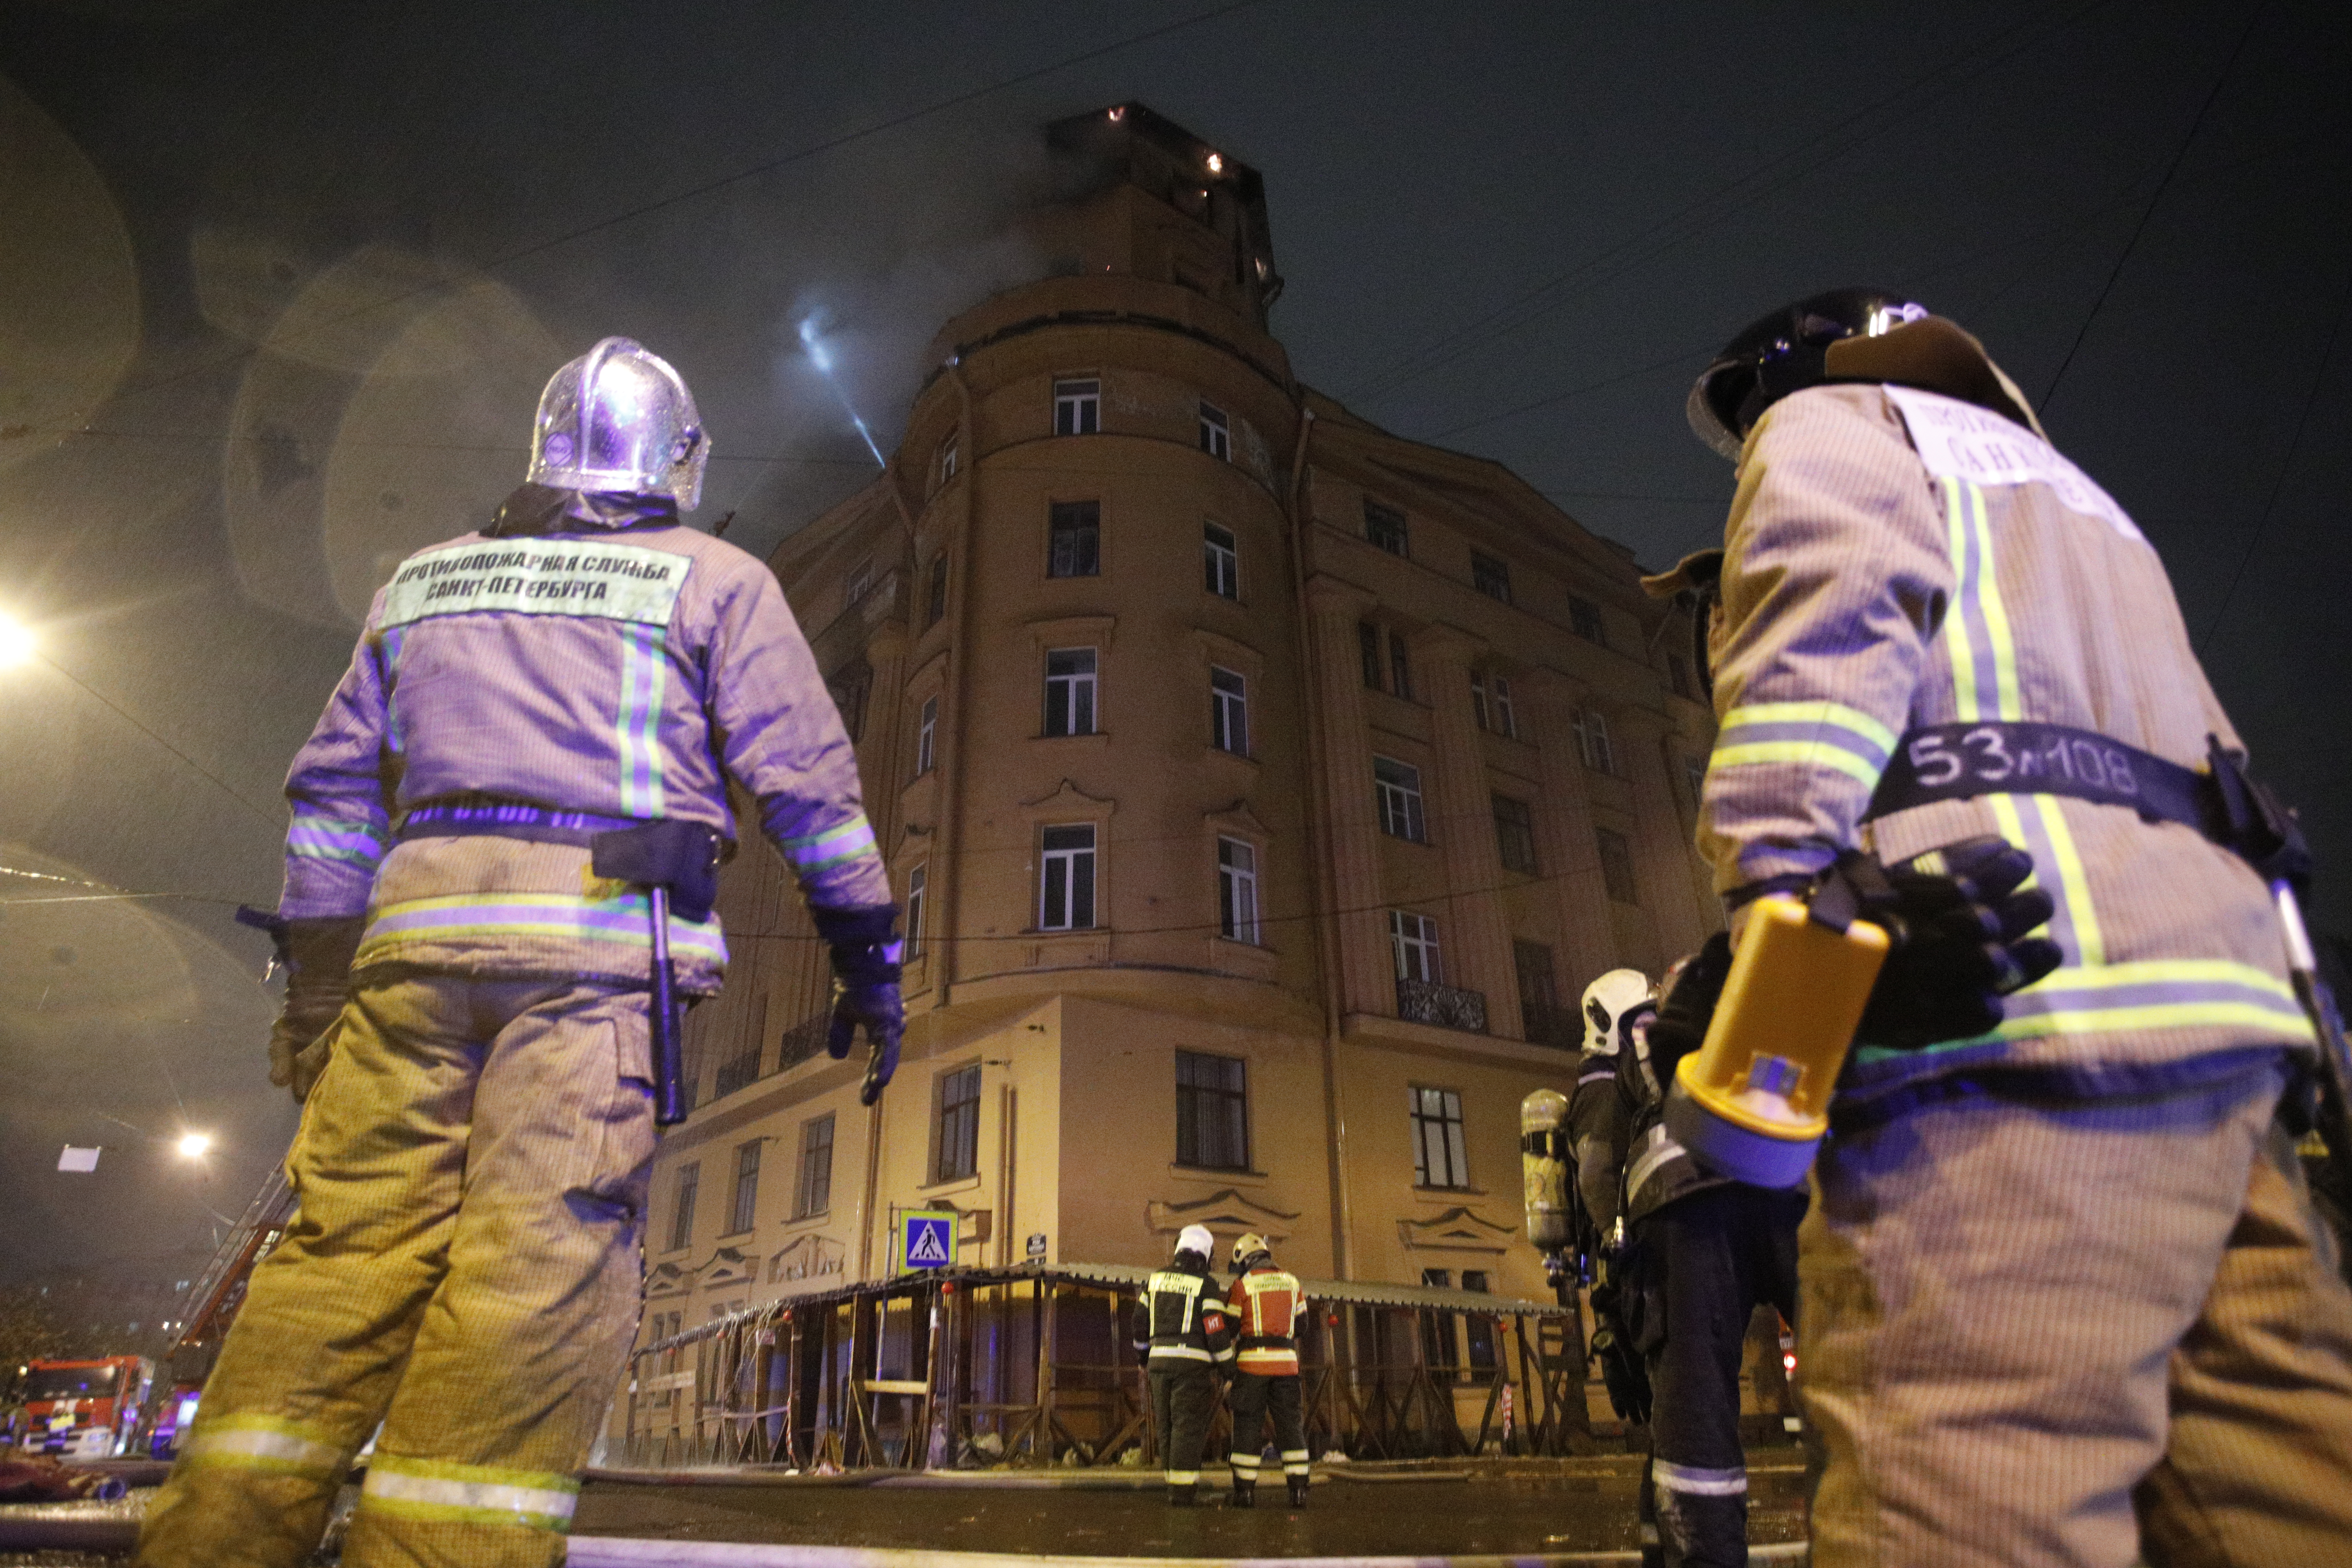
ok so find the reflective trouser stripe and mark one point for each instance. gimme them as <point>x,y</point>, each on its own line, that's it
<point>1694,1481</point>
<point>1246,1462</point>
<point>1183,1477</point>
<point>470,1494</point>
<point>266,1443</point>
<point>1294,1461</point>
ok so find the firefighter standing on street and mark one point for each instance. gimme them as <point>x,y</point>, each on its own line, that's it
<point>1182,1327</point>
<point>468,1022</point>
<point>2064,1298</point>
<point>1601,1128</point>
<point>1703,1253</point>
<point>1266,1303</point>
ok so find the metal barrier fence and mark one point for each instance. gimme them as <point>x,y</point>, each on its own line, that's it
<point>1035,1366</point>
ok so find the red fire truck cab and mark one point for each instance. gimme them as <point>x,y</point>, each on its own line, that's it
<point>84,1409</point>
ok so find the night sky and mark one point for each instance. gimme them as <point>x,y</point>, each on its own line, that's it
<point>279,283</point>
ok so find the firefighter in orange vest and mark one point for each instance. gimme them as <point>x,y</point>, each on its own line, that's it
<point>1266,1303</point>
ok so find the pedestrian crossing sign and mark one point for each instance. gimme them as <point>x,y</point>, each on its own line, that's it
<point>926,1238</point>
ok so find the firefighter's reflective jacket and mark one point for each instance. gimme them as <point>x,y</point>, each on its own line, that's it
<point>1181,1317</point>
<point>624,673</point>
<point>1266,1304</point>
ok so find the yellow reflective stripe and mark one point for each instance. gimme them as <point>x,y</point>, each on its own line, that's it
<point>2155,1016</point>
<point>1183,1477</point>
<point>2073,884</point>
<point>1821,754</point>
<point>1819,713</point>
<point>2191,971</point>
<point>266,1443</point>
<point>1956,620</point>
<point>1996,612</point>
<point>479,1494</point>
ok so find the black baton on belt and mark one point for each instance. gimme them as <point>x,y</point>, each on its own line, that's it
<point>2335,1058</point>
<point>677,864</point>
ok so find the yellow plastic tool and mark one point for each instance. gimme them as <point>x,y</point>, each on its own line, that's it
<point>1753,1101</point>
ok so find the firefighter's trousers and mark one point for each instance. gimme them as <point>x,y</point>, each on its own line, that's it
<point>1250,1399</point>
<point>465,1267</point>
<point>1702,1265</point>
<point>2076,1336</point>
<point>1183,1398</point>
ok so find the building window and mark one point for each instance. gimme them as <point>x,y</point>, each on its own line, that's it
<point>1483,1359</point>
<point>935,598</point>
<point>849,687</point>
<point>746,1211</point>
<point>1385,526</point>
<point>1065,901</point>
<point>1367,645</point>
<point>1515,835</point>
<point>959,1124</point>
<point>1678,675</point>
<point>1438,1351</point>
<point>1490,703</point>
<point>1220,561</point>
<point>1076,528</point>
<point>927,736</point>
<point>816,1191</point>
<point>1439,1158</point>
<point>1078,407</point>
<point>1216,435</point>
<point>1398,785</point>
<point>948,453</point>
<point>681,1220</point>
<point>1211,1111</point>
<point>1070,691</point>
<point>1492,577</point>
<point>860,583</point>
<point>1228,711</point>
<point>1584,620</point>
<point>1593,741</point>
<point>1617,867</point>
<point>1540,1020</point>
<point>918,885</point>
<point>1413,940</point>
<point>1237,890</point>
<point>1400,666</point>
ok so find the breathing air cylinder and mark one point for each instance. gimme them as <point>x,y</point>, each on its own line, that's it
<point>1544,1167</point>
<point>1752,1101</point>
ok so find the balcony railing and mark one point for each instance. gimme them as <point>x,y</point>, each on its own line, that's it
<point>1447,1006</point>
<point>739,1072</point>
<point>804,1040</point>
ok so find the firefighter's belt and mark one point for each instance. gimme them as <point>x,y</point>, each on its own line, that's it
<point>510,819</point>
<point>1265,1343</point>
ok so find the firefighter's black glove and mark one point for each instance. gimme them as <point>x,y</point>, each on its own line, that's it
<point>318,982</point>
<point>866,952</point>
<point>1681,1023</point>
<point>1956,919</point>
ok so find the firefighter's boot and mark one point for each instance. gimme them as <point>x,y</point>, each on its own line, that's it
<point>1297,1492</point>
<point>1183,1496</point>
<point>1244,1493</point>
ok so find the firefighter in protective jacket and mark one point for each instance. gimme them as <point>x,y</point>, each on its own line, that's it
<point>1266,1303</point>
<point>2064,1298</point>
<point>467,1021</point>
<point>1184,1333</point>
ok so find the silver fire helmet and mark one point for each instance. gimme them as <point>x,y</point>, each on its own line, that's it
<point>619,421</point>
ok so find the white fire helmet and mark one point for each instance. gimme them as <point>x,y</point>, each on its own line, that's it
<point>1197,1239</point>
<point>619,421</point>
<point>1606,1002</point>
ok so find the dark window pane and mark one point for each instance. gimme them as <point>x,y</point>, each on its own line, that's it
<point>1493,577</point>
<point>958,1126</point>
<point>1584,620</point>
<point>1076,539</point>
<point>935,602</point>
<point>1400,666</point>
<point>1384,527</point>
<point>1211,1111</point>
<point>1515,835</point>
<point>1617,867</point>
<point>1368,643</point>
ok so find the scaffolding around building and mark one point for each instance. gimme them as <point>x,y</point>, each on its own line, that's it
<point>1034,1366</point>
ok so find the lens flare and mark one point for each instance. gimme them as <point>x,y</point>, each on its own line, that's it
<point>17,644</point>
<point>195,1145</point>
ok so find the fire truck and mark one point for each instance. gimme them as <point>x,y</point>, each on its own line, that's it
<point>84,1409</point>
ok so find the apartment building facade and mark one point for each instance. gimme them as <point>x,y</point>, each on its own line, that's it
<point>1263,788</point>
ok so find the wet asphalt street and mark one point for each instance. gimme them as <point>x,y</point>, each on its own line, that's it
<point>1581,1505</point>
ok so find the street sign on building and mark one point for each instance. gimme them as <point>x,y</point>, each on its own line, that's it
<point>926,1238</point>
<point>1036,1244</point>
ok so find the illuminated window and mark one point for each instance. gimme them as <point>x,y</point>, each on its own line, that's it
<point>1078,407</point>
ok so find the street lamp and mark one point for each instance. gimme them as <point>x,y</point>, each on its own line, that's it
<point>17,644</point>
<point>195,1145</point>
